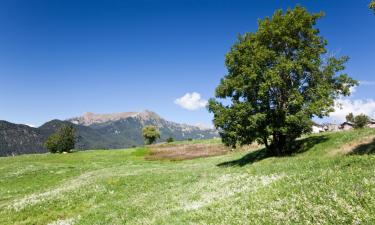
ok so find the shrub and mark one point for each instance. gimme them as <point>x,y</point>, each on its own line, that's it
<point>170,140</point>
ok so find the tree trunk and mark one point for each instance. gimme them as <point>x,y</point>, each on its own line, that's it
<point>265,140</point>
<point>278,145</point>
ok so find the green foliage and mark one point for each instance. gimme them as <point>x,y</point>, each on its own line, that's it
<point>150,134</point>
<point>190,139</point>
<point>350,118</point>
<point>61,141</point>
<point>372,5</point>
<point>170,140</point>
<point>278,79</point>
<point>52,143</point>
<point>361,121</point>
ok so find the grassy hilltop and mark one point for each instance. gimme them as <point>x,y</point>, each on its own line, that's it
<point>330,181</point>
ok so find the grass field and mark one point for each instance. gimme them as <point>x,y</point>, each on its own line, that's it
<point>325,183</point>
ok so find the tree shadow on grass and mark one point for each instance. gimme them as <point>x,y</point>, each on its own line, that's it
<point>300,146</point>
<point>364,149</point>
<point>246,159</point>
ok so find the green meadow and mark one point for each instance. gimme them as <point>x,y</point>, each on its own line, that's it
<point>331,180</point>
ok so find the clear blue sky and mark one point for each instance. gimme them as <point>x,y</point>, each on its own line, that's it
<point>59,59</point>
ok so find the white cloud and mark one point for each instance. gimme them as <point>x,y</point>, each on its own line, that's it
<point>345,106</point>
<point>30,125</point>
<point>191,101</point>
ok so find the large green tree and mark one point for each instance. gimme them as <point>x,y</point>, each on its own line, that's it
<point>278,79</point>
<point>372,5</point>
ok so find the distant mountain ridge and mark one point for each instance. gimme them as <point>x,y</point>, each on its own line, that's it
<point>89,118</point>
<point>96,131</point>
<point>18,139</point>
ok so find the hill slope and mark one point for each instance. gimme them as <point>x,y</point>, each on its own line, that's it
<point>19,139</point>
<point>120,187</point>
<point>96,131</point>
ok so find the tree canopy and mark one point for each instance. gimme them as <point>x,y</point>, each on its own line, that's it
<point>150,134</point>
<point>279,78</point>
<point>170,140</point>
<point>372,5</point>
<point>361,121</point>
<point>61,141</point>
<point>350,117</point>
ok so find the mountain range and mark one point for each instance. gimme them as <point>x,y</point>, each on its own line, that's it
<point>96,131</point>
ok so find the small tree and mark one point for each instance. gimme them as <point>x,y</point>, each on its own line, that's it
<point>150,134</point>
<point>52,143</point>
<point>170,140</point>
<point>372,5</point>
<point>361,121</point>
<point>350,118</point>
<point>279,78</point>
<point>61,141</point>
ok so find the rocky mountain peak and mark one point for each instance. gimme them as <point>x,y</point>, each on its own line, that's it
<point>90,118</point>
<point>146,115</point>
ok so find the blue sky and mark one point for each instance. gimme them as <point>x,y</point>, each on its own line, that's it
<point>59,59</point>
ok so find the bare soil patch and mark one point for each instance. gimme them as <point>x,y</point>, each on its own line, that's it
<point>190,151</point>
<point>185,151</point>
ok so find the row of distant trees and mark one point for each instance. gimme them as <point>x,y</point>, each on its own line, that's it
<point>64,139</point>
